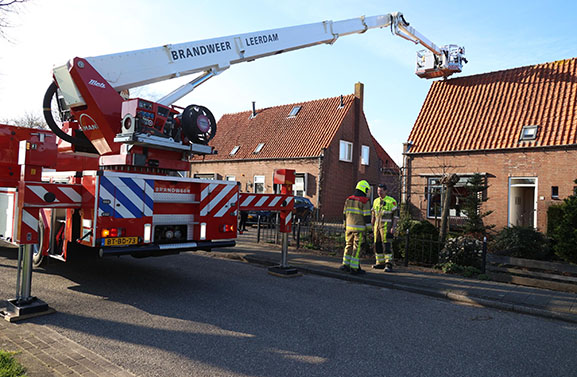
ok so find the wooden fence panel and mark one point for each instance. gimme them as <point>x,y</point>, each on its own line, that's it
<point>557,276</point>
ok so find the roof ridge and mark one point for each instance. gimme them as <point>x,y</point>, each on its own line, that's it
<point>291,104</point>
<point>508,69</point>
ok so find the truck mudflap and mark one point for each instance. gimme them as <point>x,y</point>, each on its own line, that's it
<point>163,249</point>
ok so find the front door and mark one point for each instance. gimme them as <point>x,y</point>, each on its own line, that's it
<point>522,201</point>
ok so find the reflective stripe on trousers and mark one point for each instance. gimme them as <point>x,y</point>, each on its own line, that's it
<point>354,242</point>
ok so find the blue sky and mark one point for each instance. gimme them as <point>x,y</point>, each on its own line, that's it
<point>496,34</point>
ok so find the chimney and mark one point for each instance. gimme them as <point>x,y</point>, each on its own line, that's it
<point>253,109</point>
<point>342,103</point>
<point>359,93</point>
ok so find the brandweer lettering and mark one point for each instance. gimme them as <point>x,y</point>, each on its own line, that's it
<point>261,39</point>
<point>200,50</point>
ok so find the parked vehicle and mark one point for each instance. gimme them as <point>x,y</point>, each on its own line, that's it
<point>303,209</point>
<point>265,217</point>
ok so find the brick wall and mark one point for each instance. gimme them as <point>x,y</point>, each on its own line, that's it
<point>550,167</point>
<point>341,177</point>
<point>244,172</point>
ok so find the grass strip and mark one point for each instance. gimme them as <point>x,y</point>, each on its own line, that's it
<point>9,367</point>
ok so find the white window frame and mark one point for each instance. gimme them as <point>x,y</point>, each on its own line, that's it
<point>304,186</point>
<point>529,132</point>
<point>259,179</point>
<point>434,187</point>
<point>211,176</point>
<point>258,148</point>
<point>234,150</point>
<point>294,112</point>
<point>365,154</point>
<point>345,151</point>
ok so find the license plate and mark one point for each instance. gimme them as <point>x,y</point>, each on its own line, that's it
<point>120,241</point>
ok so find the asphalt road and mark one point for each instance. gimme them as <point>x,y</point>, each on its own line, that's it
<point>192,315</point>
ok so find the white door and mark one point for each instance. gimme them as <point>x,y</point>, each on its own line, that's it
<point>522,201</point>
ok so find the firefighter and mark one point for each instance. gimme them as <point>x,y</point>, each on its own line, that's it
<point>382,213</point>
<point>357,218</point>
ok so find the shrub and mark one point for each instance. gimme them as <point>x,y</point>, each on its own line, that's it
<point>423,241</point>
<point>463,250</point>
<point>521,242</point>
<point>565,232</point>
<point>554,217</point>
<point>470,271</point>
<point>450,268</point>
<point>471,207</point>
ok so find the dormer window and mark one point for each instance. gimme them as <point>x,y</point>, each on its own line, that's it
<point>258,148</point>
<point>529,132</point>
<point>234,150</point>
<point>294,111</point>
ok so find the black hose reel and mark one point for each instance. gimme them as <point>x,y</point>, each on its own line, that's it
<point>198,124</point>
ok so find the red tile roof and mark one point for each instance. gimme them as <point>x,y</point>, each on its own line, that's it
<point>384,156</point>
<point>488,111</point>
<point>304,135</point>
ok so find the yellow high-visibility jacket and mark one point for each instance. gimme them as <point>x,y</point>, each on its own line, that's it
<point>357,214</point>
<point>383,210</point>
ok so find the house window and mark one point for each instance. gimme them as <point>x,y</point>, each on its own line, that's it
<point>554,192</point>
<point>230,178</point>
<point>300,186</point>
<point>346,151</point>
<point>258,148</point>
<point>295,110</point>
<point>207,175</point>
<point>434,196</point>
<point>529,132</point>
<point>365,152</point>
<point>234,150</point>
<point>259,184</point>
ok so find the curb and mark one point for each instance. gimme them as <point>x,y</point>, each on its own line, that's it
<point>442,294</point>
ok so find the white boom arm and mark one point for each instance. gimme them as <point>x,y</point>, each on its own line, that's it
<point>212,56</point>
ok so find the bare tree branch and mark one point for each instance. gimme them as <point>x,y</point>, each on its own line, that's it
<point>29,120</point>
<point>8,7</point>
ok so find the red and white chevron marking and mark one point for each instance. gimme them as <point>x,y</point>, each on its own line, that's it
<point>265,202</point>
<point>28,232</point>
<point>286,218</point>
<point>216,199</point>
<point>65,195</point>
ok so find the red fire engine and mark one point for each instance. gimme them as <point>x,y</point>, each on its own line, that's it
<point>112,175</point>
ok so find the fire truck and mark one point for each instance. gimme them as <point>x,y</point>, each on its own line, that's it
<point>112,174</point>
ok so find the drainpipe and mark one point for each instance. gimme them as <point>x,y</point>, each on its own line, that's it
<point>321,182</point>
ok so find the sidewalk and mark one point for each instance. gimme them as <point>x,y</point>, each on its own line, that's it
<point>503,296</point>
<point>46,353</point>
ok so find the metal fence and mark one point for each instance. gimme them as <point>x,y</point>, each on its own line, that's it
<point>423,250</point>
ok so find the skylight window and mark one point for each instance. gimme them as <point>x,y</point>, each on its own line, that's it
<point>234,150</point>
<point>258,148</point>
<point>529,132</point>
<point>294,111</point>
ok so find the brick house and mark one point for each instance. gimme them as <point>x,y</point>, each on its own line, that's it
<point>517,127</point>
<point>327,142</point>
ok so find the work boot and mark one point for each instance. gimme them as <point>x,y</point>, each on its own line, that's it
<point>345,268</point>
<point>379,266</point>
<point>388,267</point>
<point>357,271</point>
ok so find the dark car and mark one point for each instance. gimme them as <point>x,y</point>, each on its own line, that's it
<point>265,217</point>
<point>303,209</point>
